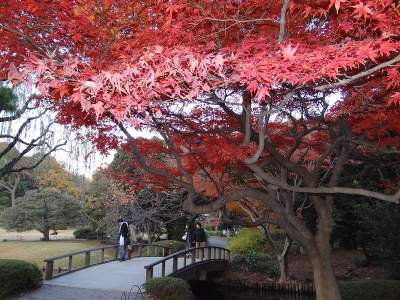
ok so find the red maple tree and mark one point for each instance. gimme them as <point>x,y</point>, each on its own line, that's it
<point>254,99</point>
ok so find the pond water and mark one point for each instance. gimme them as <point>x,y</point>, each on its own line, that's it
<point>207,291</point>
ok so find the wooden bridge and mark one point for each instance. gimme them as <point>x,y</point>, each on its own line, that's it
<point>101,270</point>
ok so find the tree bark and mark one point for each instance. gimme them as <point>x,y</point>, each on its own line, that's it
<point>46,234</point>
<point>326,286</point>
<point>283,268</point>
<point>283,261</point>
<point>324,278</point>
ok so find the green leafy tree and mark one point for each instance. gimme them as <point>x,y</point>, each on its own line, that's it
<point>96,199</point>
<point>45,210</point>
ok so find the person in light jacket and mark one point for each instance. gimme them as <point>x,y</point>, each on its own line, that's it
<point>123,238</point>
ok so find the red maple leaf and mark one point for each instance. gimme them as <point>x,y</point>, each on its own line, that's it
<point>336,3</point>
<point>289,51</point>
<point>362,10</point>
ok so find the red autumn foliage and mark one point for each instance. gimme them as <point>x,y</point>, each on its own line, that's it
<point>252,99</point>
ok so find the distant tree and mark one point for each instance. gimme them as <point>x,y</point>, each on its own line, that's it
<point>51,174</point>
<point>45,210</point>
<point>150,212</point>
<point>15,184</point>
<point>96,200</point>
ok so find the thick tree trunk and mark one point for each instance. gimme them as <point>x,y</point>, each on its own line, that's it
<point>46,235</point>
<point>324,278</point>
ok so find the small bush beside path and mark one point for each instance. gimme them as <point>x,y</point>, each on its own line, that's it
<point>17,276</point>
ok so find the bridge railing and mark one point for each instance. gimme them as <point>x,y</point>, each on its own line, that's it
<point>197,255</point>
<point>137,250</point>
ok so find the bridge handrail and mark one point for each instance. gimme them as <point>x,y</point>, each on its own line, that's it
<point>149,268</point>
<point>50,261</point>
<point>101,248</point>
<point>80,252</point>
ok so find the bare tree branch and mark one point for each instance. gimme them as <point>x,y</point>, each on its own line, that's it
<point>282,21</point>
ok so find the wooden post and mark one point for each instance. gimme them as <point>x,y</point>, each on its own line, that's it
<point>163,269</point>
<point>163,252</point>
<point>219,253</point>
<point>209,253</point>
<point>49,269</point>
<point>69,263</point>
<point>148,250</point>
<point>215,253</point>
<point>149,273</point>
<point>175,264</point>
<point>87,258</point>
<point>102,255</point>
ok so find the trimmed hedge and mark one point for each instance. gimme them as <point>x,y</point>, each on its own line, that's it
<point>168,288</point>
<point>253,262</point>
<point>18,276</point>
<point>370,290</point>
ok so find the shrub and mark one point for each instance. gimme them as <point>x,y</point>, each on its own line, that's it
<point>18,276</point>
<point>88,233</point>
<point>168,288</point>
<point>176,229</point>
<point>370,290</point>
<point>247,240</point>
<point>253,262</point>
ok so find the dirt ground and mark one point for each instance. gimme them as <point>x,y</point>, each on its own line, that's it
<point>343,265</point>
<point>300,269</point>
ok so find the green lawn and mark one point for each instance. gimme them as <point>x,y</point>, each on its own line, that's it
<point>37,251</point>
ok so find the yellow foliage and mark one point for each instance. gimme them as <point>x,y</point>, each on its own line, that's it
<point>51,174</point>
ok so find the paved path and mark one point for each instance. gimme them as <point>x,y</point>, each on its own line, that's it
<point>54,292</point>
<point>217,242</point>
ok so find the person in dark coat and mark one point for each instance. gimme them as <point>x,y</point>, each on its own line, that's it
<point>123,238</point>
<point>200,239</point>
<point>189,234</point>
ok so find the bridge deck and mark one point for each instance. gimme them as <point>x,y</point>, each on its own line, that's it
<point>117,276</point>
